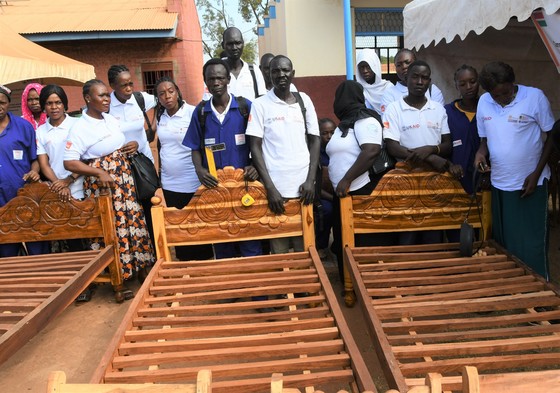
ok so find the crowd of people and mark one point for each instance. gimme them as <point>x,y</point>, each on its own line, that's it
<point>271,130</point>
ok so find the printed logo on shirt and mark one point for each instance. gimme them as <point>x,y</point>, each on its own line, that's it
<point>68,144</point>
<point>487,118</point>
<point>518,119</point>
<point>386,124</point>
<point>382,108</point>
<point>275,119</point>
<point>18,155</point>
<point>458,142</point>
<point>434,126</point>
<point>410,127</point>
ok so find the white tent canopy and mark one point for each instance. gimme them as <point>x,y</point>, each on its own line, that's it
<point>427,21</point>
<point>21,59</point>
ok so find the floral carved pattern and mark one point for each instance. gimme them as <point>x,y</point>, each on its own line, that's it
<point>38,210</point>
<point>409,197</point>
<point>221,208</point>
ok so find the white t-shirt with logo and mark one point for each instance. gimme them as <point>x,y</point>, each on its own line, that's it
<point>514,136</point>
<point>177,169</point>
<point>91,138</point>
<point>52,142</point>
<point>281,127</point>
<point>413,127</point>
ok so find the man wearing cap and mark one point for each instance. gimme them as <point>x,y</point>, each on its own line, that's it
<point>18,164</point>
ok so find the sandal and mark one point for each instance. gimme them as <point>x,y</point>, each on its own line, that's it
<point>86,295</point>
<point>127,294</point>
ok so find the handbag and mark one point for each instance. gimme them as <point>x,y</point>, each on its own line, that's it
<point>145,176</point>
<point>383,162</point>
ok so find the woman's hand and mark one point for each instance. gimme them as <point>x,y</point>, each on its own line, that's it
<point>60,184</point>
<point>105,179</point>
<point>130,148</point>
<point>530,184</point>
<point>64,194</point>
<point>342,188</point>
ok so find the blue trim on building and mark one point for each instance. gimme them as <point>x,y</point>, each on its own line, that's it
<point>260,30</point>
<point>272,12</point>
<point>266,22</point>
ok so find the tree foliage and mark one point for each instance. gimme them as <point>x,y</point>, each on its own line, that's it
<point>214,19</point>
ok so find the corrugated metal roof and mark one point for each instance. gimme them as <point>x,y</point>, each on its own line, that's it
<point>61,16</point>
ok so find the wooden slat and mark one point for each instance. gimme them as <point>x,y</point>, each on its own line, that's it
<point>35,289</point>
<point>457,312</point>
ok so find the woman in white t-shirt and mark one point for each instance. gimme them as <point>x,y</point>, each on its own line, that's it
<point>96,148</point>
<point>355,144</point>
<point>51,141</point>
<point>178,176</point>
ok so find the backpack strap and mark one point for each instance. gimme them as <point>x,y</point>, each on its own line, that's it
<point>243,109</point>
<point>302,107</point>
<point>255,86</point>
<point>150,134</point>
<point>202,119</point>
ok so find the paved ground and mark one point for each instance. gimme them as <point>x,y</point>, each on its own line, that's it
<point>76,341</point>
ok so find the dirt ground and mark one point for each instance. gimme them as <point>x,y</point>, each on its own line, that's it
<point>77,339</point>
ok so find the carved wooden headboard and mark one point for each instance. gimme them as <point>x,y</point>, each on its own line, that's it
<point>37,214</point>
<point>216,215</point>
<point>408,199</point>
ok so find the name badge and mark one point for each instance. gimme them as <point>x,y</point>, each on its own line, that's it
<point>458,142</point>
<point>18,154</point>
<point>210,141</point>
<point>239,139</point>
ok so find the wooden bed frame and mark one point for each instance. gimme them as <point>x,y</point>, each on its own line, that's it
<point>203,315</point>
<point>35,289</point>
<point>429,310</point>
<point>411,199</point>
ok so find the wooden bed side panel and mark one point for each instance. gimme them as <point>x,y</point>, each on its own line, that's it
<point>40,313</point>
<point>479,311</point>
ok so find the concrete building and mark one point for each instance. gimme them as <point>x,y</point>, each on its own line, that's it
<point>151,37</point>
<point>311,33</point>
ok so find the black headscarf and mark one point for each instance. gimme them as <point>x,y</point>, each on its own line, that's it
<point>350,106</point>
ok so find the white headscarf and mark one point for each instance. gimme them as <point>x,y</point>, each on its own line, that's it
<point>373,93</point>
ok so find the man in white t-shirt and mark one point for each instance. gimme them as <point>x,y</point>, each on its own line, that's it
<point>285,144</point>
<point>403,59</point>
<point>416,130</point>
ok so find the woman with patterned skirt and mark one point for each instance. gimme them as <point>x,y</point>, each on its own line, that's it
<point>96,148</point>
